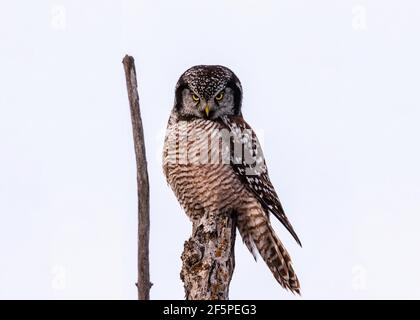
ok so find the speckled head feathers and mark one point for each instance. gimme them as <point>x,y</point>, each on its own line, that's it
<point>207,80</point>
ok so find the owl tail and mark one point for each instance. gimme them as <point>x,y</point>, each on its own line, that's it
<point>258,234</point>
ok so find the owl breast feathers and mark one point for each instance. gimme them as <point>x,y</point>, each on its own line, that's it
<point>213,162</point>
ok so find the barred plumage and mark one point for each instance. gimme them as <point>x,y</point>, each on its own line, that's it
<point>206,174</point>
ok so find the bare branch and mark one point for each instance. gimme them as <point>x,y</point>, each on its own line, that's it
<point>143,282</point>
<point>208,259</point>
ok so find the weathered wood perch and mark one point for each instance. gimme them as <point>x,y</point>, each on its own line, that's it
<point>143,281</point>
<point>208,259</point>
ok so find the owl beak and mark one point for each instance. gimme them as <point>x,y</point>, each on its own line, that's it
<point>207,110</point>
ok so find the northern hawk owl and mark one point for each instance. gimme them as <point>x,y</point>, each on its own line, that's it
<point>213,161</point>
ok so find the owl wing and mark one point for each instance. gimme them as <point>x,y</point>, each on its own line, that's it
<point>250,166</point>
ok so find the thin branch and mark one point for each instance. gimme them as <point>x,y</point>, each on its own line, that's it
<point>143,281</point>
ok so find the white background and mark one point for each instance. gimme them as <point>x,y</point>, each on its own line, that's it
<point>332,88</point>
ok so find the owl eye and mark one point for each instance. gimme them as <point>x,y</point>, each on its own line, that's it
<point>219,96</point>
<point>195,97</point>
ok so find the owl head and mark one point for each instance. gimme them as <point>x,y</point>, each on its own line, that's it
<point>208,92</point>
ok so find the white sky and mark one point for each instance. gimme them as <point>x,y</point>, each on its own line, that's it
<point>334,97</point>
